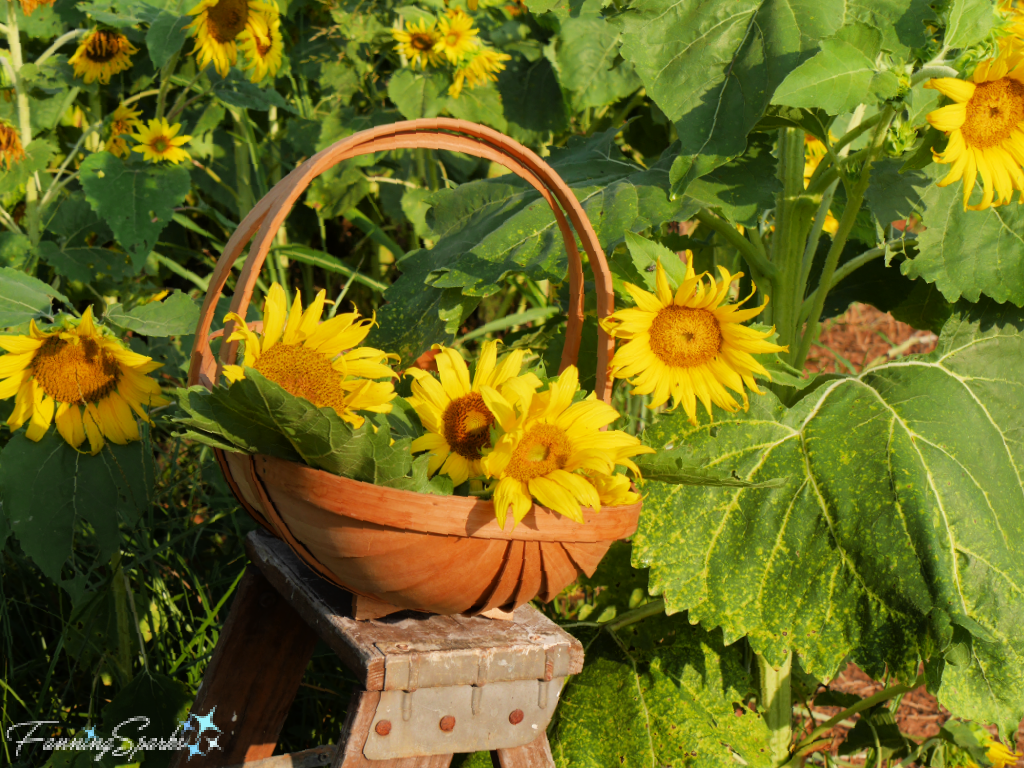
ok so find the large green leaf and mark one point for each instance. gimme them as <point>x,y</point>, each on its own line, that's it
<point>665,694</point>
<point>417,94</point>
<point>836,80</point>
<point>49,490</point>
<point>899,531</point>
<point>23,298</point>
<point>969,22</point>
<point>587,63</point>
<point>176,315</point>
<point>742,188</point>
<point>533,100</point>
<point>491,228</point>
<point>969,253</point>
<point>702,60</point>
<point>165,37</point>
<point>137,201</point>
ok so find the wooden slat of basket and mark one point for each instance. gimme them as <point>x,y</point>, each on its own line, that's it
<point>508,579</point>
<point>558,570</point>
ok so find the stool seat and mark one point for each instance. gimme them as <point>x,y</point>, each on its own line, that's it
<point>432,685</point>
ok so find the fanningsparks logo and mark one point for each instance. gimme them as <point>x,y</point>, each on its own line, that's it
<point>196,733</point>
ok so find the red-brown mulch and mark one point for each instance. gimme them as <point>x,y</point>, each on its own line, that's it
<point>865,336</point>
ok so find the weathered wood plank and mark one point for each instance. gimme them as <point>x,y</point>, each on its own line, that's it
<point>307,758</point>
<point>253,676</point>
<point>534,755</point>
<point>409,650</point>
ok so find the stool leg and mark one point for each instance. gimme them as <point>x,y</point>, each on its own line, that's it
<point>253,676</point>
<point>534,755</point>
<point>357,728</point>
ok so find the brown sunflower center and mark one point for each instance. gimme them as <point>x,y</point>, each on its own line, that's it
<point>75,373</point>
<point>160,144</point>
<point>227,19</point>
<point>467,423</point>
<point>685,337</point>
<point>304,373</point>
<point>263,46</point>
<point>103,46</point>
<point>421,41</point>
<point>993,111</point>
<point>543,449</point>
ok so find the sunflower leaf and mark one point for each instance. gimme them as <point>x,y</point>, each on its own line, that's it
<point>50,491</point>
<point>675,466</point>
<point>969,253</point>
<point>176,315</point>
<point>23,298</point>
<point>165,37</point>
<point>660,692</point>
<point>896,536</point>
<point>137,201</point>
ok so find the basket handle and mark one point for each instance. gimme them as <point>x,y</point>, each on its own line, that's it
<point>269,213</point>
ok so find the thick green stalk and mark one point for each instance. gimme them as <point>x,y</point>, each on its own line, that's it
<point>791,221</point>
<point>854,199</point>
<point>24,122</point>
<point>777,703</point>
<point>165,84</point>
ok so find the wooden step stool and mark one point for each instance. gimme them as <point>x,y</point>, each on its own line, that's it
<point>433,685</point>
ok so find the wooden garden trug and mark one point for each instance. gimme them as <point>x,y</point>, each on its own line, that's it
<point>432,685</point>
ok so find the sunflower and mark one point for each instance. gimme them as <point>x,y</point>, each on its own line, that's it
<point>689,345</point>
<point>549,442</point>
<point>984,125</point>
<point>263,52</point>
<point>102,53</point>
<point>453,411</point>
<point>123,122</point>
<point>309,358</point>
<point>86,382</point>
<point>217,25</point>
<point>416,42</point>
<point>814,150</point>
<point>11,151</point>
<point>1000,755</point>
<point>27,6</point>
<point>478,70</point>
<point>456,37</point>
<point>159,141</point>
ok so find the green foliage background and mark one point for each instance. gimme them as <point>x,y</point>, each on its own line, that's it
<point>875,518</point>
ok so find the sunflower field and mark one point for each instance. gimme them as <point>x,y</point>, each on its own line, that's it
<point>751,168</point>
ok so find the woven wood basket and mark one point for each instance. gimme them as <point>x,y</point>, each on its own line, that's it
<point>396,549</point>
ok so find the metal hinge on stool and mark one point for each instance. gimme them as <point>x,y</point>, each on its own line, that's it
<point>461,718</point>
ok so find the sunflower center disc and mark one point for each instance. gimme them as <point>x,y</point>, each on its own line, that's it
<point>467,422</point>
<point>421,42</point>
<point>544,449</point>
<point>685,337</point>
<point>304,373</point>
<point>160,145</point>
<point>103,46</point>
<point>227,19</point>
<point>75,373</point>
<point>993,112</point>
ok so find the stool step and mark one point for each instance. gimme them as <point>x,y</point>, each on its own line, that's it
<point>410,650</point>
<point>317,757</point>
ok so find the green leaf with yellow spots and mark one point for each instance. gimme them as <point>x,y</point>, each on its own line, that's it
<point>661,692</point>
<point>897,535</point>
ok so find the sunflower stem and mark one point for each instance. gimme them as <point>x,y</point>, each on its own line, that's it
<point>776,702</point>
<point>750,254</point>
<point>854,198</point>
<point>791,222</point>
<point>165,84</point>
<point>24,125</point>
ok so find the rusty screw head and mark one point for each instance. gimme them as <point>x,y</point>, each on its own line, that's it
<point>516,717</point>
<point>383,727</point>
<point>447,724</point>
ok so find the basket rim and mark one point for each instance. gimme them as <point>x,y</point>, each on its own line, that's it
<point>462,516</point>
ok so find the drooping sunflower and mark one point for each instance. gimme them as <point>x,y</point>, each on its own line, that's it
<point>416,42</point>
<point>457,36</point>
<point>87,382</point>
<point>11,151</point>
<point>548,446</point>
<point>999,754</point>
<point>689,344</point>
<point>321,362</point>
<point>453,411</point>
<point>985,125</point>
<point>122,123</point>
<point>482,67</point>
<point>263,53</point>
<point>159,141</point>
<point>218,24</point>
<point>102,53</point>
